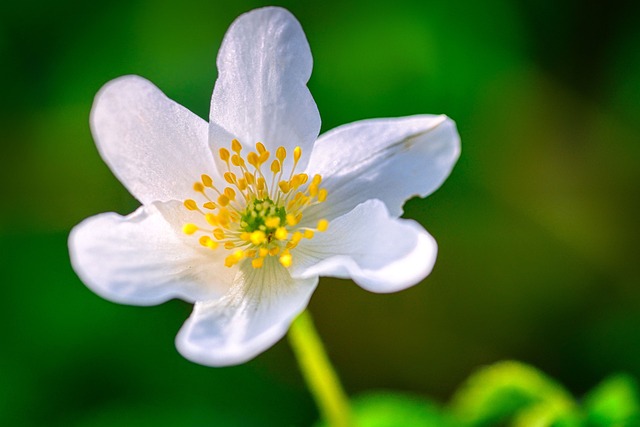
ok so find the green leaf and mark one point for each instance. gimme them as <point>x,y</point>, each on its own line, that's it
<point>614,402</point>
<point>512,390</point>
<point>389,409</point>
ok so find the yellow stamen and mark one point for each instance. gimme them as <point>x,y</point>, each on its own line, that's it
<point>323,224</point>
<point>291,220</point>
<point>218,233</point>
<point>206,180</point>
<point>224,154</point>
<point>285,259</point>
<point>281,233</point>
<point>189,228</point>
<point>272,222</point>
<point>258,237</point>
<point>258,215</point>
<point>191,205</point>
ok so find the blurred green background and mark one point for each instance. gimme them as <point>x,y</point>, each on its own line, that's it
<point>537,226</point>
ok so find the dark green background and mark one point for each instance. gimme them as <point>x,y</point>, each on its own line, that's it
<point>537,226</point>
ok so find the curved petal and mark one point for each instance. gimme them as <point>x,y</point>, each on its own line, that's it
<point>155,147</point>
<point>380,253</point>
<point>261,95</point>
<point>252,317</point>
<point>144,259</point>
<point>387,159</point>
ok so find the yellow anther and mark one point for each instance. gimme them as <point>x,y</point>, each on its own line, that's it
<point>308,234</point>
<point>258,237</point>
<point>275,166</point>
<point>261,184</point>
<point>317,179</point>
<point>250,178</point>
<point>297,152</point>
<point>218,233</point>
<point>296,181</point>
<point>264,156</point>
<point>210,205</point>
<point>274,250</point>
<point>208,242</point>
<point>323,224</point>
<point>230,193</point>
<point>281,233</point>
<point>211,219</point>
<point>313,190</point>
<point>303,178</point>
<point>257,262</point>
<point>229,245</point>
<point>322,195</point>
<point>285,259</point>
<point>206,180</point>
<point>250,253</point>
<point>263,252</point>
<point>284,186</point>
<point>234,258</point>
<point>281,154</point>
<point>191,205</point>
<point>245,235</point>
<point>260,148</point>
<point>236,146</point>
<point>230,177</point>
<point>189,228</point>
<point>291,220</point>
<point>242,184</point>
<point>295,239</point>
<point>198,187</point>
<point>272,222</point>
<point>223,200</point>
<point>224,154</point>
<point>253,160</point>
<point>236,160</point>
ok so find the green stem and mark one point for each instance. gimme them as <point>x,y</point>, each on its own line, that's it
<point>320,376</point>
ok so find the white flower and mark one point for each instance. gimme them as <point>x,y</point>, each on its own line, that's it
<point>272,208</point>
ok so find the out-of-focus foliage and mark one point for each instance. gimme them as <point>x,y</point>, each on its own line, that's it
<point>537,227</point>
<point>506,394</point>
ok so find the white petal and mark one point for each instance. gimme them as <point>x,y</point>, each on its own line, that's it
<point>380,253</point>
<point>252,317</point>
<point>387,159</point>
<point>155,147</point>
<point>144,259</point>
<point>261,95</point>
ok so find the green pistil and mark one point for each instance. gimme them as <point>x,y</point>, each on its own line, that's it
<point>257,212</point>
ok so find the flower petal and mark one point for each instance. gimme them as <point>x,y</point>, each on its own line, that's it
<point>261,95</point>
<point>142,259</point>
<point>380,253</point>
<point>155,147</point>
<point>252,317</point>
<point>387,159</point>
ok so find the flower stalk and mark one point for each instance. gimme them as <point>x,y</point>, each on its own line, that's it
<point>321,378</point>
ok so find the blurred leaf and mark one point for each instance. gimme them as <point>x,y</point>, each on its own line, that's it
<point>615,402</point>
<point>388,409</point>
<point>501,391</point>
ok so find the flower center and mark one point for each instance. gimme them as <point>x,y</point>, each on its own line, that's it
<point>256,215</point>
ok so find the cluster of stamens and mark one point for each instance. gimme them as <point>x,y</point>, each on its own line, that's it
<point>255,216</point>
